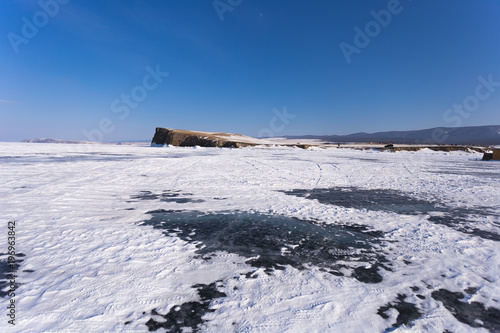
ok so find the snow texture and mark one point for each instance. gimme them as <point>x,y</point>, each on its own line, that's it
<point>261,239</point>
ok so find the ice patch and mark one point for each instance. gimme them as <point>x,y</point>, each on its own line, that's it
<point>265,241</point>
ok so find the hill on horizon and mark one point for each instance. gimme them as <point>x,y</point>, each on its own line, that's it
<point>470,135</point>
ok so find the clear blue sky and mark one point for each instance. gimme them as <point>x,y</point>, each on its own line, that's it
<point>228,75</point>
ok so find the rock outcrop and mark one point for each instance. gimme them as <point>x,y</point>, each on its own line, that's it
<point>183,138</point>
<point>495,155</point>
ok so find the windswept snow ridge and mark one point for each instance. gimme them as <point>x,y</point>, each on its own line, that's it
<point>137,239</point>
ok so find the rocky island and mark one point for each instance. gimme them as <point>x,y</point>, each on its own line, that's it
<point>184,138</point>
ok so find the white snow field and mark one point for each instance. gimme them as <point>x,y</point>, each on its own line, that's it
<point>263,239</point>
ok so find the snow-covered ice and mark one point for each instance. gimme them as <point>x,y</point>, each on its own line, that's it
<point>127,238</point>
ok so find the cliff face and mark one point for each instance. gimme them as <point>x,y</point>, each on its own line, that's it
<point>184,138</point>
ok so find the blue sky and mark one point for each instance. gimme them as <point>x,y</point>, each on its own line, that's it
<point>71,79</point>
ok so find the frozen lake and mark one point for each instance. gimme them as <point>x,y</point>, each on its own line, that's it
<point>126,238</point>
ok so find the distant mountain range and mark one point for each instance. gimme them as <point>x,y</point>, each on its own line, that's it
<point>52,141</point>
<point>473,135</point>
<point>44,140</point>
